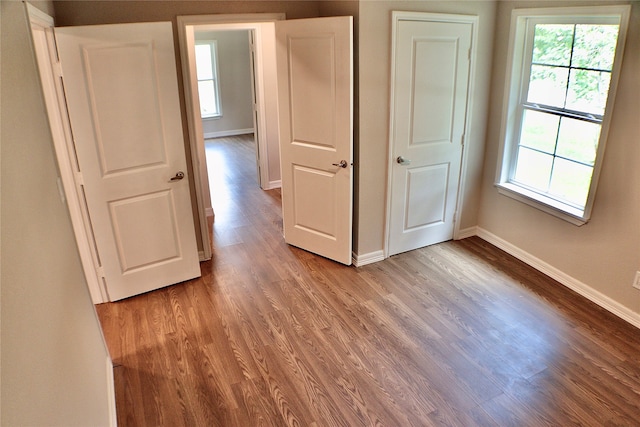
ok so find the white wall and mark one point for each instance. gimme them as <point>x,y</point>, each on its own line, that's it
<point>55,366</point>
<point>601,257</point>
<point>234,80</point>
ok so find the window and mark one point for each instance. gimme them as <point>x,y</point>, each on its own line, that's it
<point>207,74</point>
<point>563,72</point>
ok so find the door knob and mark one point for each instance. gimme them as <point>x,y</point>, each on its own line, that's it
<point>178,177</point>
<point>402,161</point>
<point>342,164</point>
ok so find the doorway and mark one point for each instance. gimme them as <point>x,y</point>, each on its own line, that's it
<point>235,195</point>
<point>226,90</point>
<point>314,222</point>
<point>428,126</point>
<point>267,136</point>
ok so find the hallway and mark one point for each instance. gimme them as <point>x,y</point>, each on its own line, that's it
<point>237,199</point>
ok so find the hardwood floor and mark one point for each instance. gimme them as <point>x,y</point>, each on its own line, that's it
<point>455,334</point>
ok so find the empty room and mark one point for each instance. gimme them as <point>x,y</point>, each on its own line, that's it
<point>426,216</point>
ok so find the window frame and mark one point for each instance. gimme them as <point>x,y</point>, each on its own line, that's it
<point>517,81</point>
<point>213,46</point>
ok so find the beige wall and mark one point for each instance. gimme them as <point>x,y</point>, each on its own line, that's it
<point>54,362</point>
<point>604,254</point>
<point>374,77</point>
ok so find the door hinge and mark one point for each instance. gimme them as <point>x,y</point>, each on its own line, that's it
<point>79,178</point>
<point>462,139</point>
<point>100,272</point>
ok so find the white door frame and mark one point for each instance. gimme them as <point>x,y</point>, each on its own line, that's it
<point>186,31</point>
<point>71,186</point>
<point>398,16</point>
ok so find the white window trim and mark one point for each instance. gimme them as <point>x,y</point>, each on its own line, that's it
<point>213,45</point>
<point>516,61</point>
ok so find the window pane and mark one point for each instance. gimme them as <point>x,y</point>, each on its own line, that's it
<point>539,131</point>
<point>548,85</point>
<point>578,140</point>
<point>588,91</point>
<point>595,46</point>
<point>533,168</point>
<point>570,181</point>
<point>207,93</point>
<point>203,62</point>
<point>552,44</point>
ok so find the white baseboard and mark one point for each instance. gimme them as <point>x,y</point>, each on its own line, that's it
<point>273,185</point>
<point>111,391</point>
<point>370,258</point>
<point>466,232</point>
<point>223,133</point>
<point>201,257</point>
<point>566,280</point>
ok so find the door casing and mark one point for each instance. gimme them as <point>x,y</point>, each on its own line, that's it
<point>42,27</point>
<point>472,20</point>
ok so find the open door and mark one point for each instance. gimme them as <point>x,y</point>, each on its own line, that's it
<point>122,97</point>
<point>315,96</point>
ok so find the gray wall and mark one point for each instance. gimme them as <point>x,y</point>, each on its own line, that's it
<point>234,68</point>
<point>55,365</point>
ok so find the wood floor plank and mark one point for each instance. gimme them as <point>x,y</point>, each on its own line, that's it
<point>456,334</point>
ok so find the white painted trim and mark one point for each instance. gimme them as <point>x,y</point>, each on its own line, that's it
<point>575,285</point>
<point>111,394</point>
<point>462,182</point>
<point>370,258</point>
<point>396,17</point>
<point>60,128</point>
<point>223,133</point>
<point>195,132</point>
<point>271,185</point>
<point>211,22</point>
<point>466,232</point>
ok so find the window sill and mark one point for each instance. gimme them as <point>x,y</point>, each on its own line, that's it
<point>215,117</point>
<point>553,207</point>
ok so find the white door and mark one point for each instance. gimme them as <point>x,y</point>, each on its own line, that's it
<point>122,95</point>
<point>315,91</point>
<point>431,76</point>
